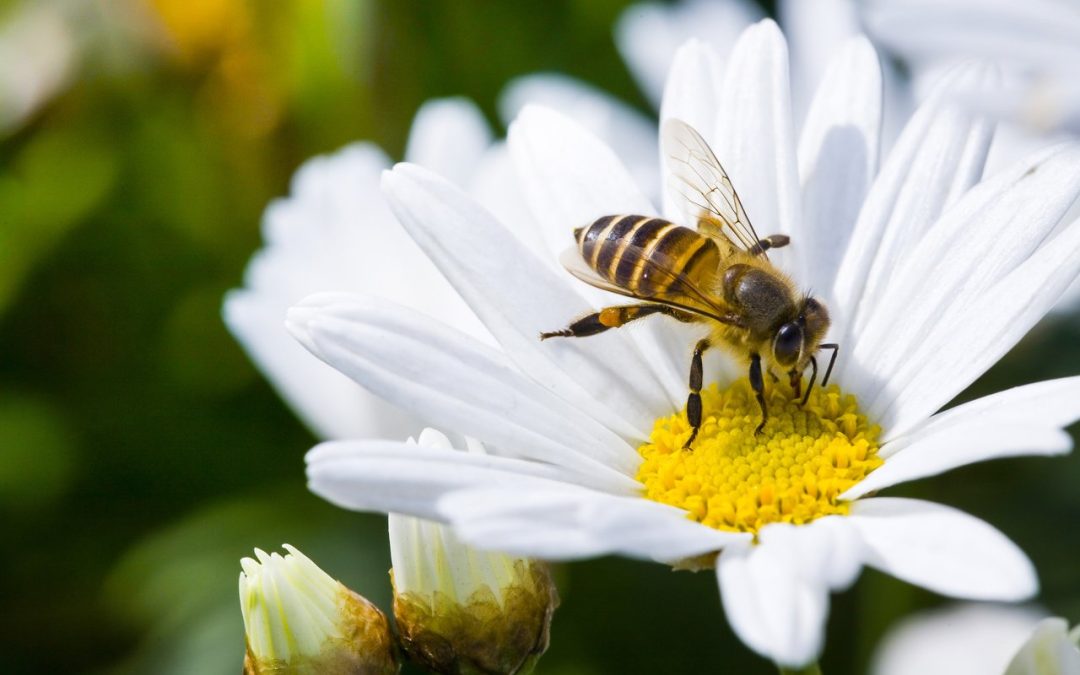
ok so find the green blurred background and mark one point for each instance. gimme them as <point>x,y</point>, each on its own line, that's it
<point>141,454</point>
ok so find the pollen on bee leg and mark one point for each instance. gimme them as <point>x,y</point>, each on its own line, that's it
<point>612,316</point>
<point>735,480</point>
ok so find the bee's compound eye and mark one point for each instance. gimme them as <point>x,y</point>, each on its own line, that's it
<point>787,345</point>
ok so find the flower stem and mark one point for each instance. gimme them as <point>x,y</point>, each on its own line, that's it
<point>811,669</point>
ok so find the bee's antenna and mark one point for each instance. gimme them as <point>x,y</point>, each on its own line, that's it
<point>832,360</point>
<point>813,379</point>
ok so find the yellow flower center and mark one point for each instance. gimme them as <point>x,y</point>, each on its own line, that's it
<point>735,480</point>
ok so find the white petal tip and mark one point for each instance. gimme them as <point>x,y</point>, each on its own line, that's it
<point>299,326</point>
<point>767,28</point>
<point>299,316</point>
<point>403,170</point>
<point>535,113</point>
<point>303,319</point>
<point>692,45</point>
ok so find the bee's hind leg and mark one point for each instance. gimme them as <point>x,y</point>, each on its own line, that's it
<point>757,383</point>
<point>693,401</point>
<point>613,317</point>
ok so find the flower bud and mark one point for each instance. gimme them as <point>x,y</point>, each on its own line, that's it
<point>1050,650</point>
<point>300,621</point>
<point>460,610</point>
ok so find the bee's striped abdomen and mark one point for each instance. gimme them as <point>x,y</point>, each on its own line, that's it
<point>642,254</point>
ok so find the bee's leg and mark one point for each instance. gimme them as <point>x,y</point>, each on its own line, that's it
<point>813,379</point>
<point>758,385</point>
<point>795,380</point>
<point>828,371</point>
<point>772,376</point>
<point>772,241</point>
<point>693,402</point>
<point>613,317</point>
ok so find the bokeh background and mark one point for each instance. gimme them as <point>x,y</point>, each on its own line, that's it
<point>142,454</point>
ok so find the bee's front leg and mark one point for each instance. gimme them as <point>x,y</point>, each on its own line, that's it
<point>757,383</point>
<point>795,380</point>
<point>813,379</point>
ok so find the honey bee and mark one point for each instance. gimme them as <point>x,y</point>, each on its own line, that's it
<point>718,274</point>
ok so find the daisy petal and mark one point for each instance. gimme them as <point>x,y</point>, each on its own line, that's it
<point>1037,33</point>
<point>1052,403</point>
<point>449,136</point>
<point>517,297</point>
<point>755,134</point>
<point>496,187</point>
<point>561,524</point>
<point>828,549</point>
<point>334,233</point>
<point>693,89</point>
<point>692,94</point>
<point>628,132</point>
<point>972,339</point>
<point>816,33</point>
<point>771,606</point>
<point>455,382</point>
<point>937,158</point>
<point>942,549</point>
<point>395,477</point>
<point>960,445</point>
<point>329,402</point>
<point>570,177</point>
<point>838,155</point>
<point>648,34</point>
<point>971,248</point>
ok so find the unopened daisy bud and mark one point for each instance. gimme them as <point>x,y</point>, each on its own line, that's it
<point>1052,649</point>
<point>464,611</point>
<point>300,621</point>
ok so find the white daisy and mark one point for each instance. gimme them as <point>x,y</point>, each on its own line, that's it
<point>931,276</point>
<point>979,639</point>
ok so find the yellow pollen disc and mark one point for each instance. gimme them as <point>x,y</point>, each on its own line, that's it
<point>792,472</point>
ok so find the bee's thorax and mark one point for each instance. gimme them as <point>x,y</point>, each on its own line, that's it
<point>760,296</point>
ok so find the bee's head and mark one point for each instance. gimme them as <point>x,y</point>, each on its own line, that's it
<point>797,340</point>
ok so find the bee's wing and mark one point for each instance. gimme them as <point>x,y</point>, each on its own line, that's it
<point>681,292</point>
<point>703,189</point>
